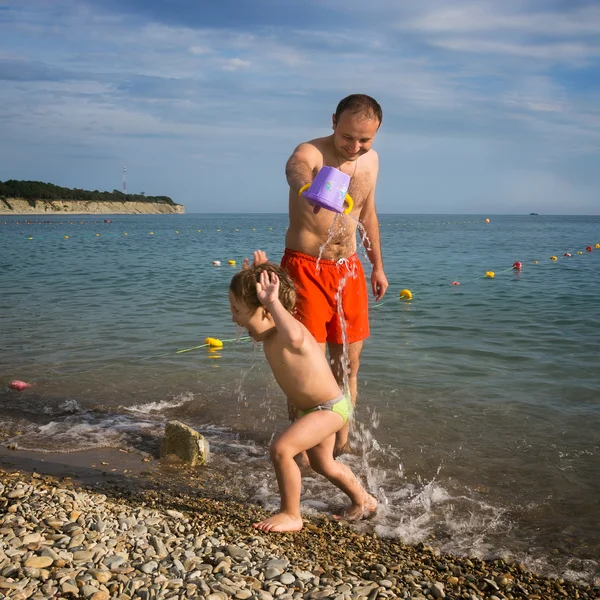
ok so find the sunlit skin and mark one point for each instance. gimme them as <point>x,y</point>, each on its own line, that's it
<point>348,148</point>
<point>302,371</point>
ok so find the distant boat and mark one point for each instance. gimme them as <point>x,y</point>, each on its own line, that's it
<point>534,214</point>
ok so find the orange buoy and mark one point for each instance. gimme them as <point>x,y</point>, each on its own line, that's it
<point>567,254</point>
<point>455,283</point>
<point>588,248</point>
<point>517,265</point>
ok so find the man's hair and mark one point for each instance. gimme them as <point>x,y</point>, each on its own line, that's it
<point>360,104</point>
<point>243,285</point>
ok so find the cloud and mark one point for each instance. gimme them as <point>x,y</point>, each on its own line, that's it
<point>501,17</point>
<point>22,69</point>
<point>558,52</point>
<point>200,82</point>
<point>235,64</point>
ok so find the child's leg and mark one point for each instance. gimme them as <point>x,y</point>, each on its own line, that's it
<point>322,461</point>
<point>306,432</point>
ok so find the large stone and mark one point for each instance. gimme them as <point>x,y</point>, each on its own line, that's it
<point>185,443</point>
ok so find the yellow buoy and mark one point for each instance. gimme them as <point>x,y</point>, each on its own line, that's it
<point>218,230</point>
<point>535,262</point>
<point>66,237</point>
<point>231,262</point>
<point>213,342</point>
<point>198,230</point>
<point>597,246</point>
<point>490,274</point>
<point>152,233</point>
<point>97,235</point>
<point>553,258</point>
<point>405,294</point>
<point>176,231</point>
<point>125,233</point>
<point>580,252</point>
<point>30,238</point>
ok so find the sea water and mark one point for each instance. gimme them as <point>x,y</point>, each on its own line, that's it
<point>477,423</point>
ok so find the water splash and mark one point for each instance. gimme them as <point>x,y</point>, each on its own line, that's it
<point>330,234</point>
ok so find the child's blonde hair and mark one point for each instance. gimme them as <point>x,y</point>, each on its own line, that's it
<point>243,285</point>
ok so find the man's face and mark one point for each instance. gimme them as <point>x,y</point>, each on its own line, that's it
<point>353,135</point>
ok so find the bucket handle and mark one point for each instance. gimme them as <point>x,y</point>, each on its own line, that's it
<point>348,199</point>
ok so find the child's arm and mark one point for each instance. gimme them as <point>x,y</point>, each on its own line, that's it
<point>267,290</point>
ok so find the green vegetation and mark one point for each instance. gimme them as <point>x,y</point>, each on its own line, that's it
<point>38,190</point>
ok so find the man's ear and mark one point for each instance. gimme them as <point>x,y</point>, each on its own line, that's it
<point>333,122</point>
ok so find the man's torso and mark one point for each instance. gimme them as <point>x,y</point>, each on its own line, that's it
<point>309,232</point>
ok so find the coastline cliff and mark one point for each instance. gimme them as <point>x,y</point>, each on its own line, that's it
<point>39,198</point>
<point>21,206</point>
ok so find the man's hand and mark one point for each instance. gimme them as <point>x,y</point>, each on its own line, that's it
<point>267,289</point>
<point>379,283</point>
<point>260,258</point>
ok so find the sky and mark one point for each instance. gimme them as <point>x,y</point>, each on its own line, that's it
<point>489,107</point>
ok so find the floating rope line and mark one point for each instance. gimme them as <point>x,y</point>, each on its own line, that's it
<point>213,343</point>
<point>205,345</point>
<point>517,266</point>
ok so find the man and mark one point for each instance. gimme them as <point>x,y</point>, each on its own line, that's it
<point>320,251</point>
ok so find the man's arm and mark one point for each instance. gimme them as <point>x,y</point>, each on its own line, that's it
<point>302,166</point>
<point>372,243</point>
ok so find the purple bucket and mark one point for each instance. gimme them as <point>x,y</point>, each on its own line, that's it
<point>329,190</point>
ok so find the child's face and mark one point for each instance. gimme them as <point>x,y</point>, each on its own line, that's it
<point>247,317</point>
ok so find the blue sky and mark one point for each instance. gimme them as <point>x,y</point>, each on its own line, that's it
<point>489,107</point>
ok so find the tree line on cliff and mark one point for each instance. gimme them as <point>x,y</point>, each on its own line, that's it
<point>38,190</point>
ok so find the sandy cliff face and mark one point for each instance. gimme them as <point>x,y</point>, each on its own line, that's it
<point>46,207</point>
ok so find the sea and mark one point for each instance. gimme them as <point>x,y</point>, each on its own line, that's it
<point>478,416</point>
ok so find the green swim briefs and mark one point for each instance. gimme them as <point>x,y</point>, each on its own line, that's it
<point>340,405</point>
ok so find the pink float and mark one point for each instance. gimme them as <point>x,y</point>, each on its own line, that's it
<point>18,385</point>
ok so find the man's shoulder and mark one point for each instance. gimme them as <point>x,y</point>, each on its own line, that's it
<point>314,147</point>
<point>371,161</point>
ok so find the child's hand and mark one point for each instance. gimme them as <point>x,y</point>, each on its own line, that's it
<point>267,289</point>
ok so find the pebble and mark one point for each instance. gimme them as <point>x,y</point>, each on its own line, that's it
<point>57,540</point>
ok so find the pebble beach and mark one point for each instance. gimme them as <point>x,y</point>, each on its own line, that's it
<point>184,534</point>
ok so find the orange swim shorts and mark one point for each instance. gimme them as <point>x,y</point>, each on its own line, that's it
<point>318,299</point>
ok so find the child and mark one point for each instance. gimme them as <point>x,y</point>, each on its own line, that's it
<point>262,298</point>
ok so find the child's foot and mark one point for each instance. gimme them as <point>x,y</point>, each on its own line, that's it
<point>358,511</point>
<point>280,522</point>
<point>341,449</point>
